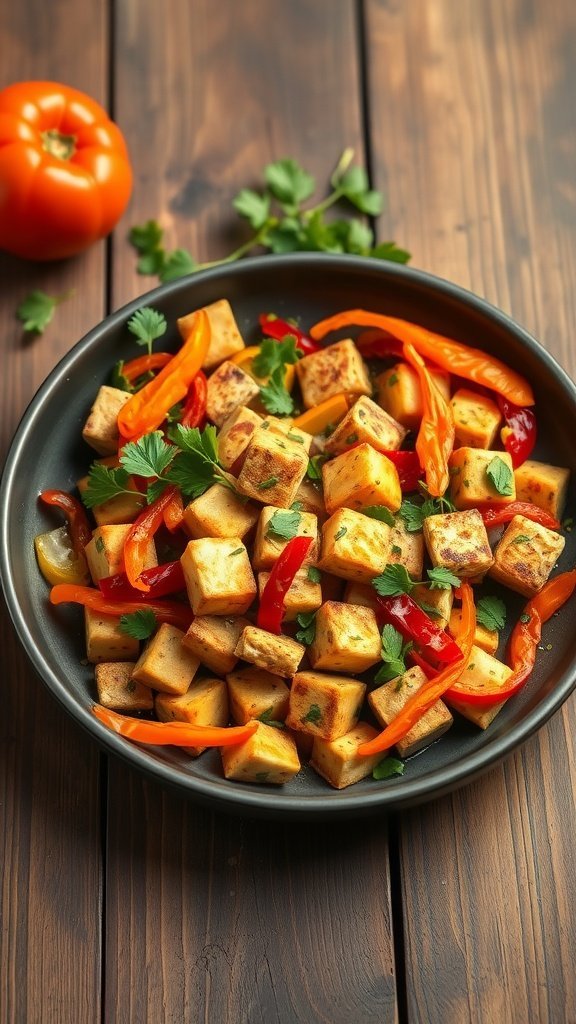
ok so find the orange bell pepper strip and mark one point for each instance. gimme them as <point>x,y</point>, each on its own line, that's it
<point>178,734</point>
<point>144,364</point>
<point>146,410</point>
<point>141,532</point>
<point>453,356</point>
<point>433,689</point>
<point>435,440</point>
<point>174,512</point>
<point>172,612</point>
<point>331,410</point>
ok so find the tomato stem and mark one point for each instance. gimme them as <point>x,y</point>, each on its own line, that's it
<point>59,145</point>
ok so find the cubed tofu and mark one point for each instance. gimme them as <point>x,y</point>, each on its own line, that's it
<point>254,692</point>
<point>361,594</point>
<point>225,338</point>
<point>354,546</point>
<point>273,469</point>
<point>361,477</point>
<point>347,638</point>
<point>165,663</point>
<point>477,419</point>
<point>101,428</point>
<point>335,370</point>
<point>123,508</point>
<point>366,422</point>
<point>205,702</point>
<point>220,513</point>
<point>105,552</point>
<point>436,603</point>
<point>303,595</point>
<point>325,705</point>
<point>339,762</point>
<point>219,577</point>
<point>285,428</point>
<point>526,555</point>
<point>311,499</point>
<point>228,388</point>
<point>458,541</point>
<point>470,484</point>
<point>268,756</point>
<point>235,433</point>
<point>277,654</point>
<point>268,545</point>
<point>407,549</point>
<point>105,641</point>
<point>388,700</point>
<point>487,639</point>
<point>483,672</point>
<point>543,485</point>
<point>118,691</point>
<point>399,393</point>
<point>213,639</point>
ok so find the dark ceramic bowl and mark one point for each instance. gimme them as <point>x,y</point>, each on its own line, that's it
<point>48,452</point>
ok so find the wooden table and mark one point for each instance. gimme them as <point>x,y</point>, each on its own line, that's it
<point>121,901</point>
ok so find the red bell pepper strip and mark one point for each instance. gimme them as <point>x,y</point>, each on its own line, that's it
<point>144,364</point>
<point>80,532</point>
<point>273,327</point>
<point>141,532</point>
<point>519,434</point>
<point>162,580</point>
<point>174,513</point>
<point>408,466</point>
<point>408,618</point>
<point>173,612</point>
<point>431,691</point>
<point>194,412</point>
<point>418,660</point>
<point>377,344</point>
<point>496,515</point>
<point>178,734</point>
<point>279,582</point>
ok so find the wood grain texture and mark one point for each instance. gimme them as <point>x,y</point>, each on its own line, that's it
<point>473,133</point>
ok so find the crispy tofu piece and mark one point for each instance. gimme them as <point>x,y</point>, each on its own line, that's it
<point>407,549</point>
<point>436,603</point>
<point>277,654</point>
<point>526,555</point>
<point>302,596</point>
<point>366,422</point>
<point>268,546</point>
<point>347,638</point>
<point>219,577</point>
<point>487,639</point>
<point>482,672</point>
<point>312,500</point>
<point>220,513</point>
<point>360,594</point>
<point>205,702</point>
<point>354,546</point>
<point>399,393</point>
<point>338,760</point>
<point>228,388</point>
<point>225,338</point>
<point>335,369</point>
<point>213,639</point>
<point>165,663</point>
<point>388,700</point>
<point>254,692</point>
<point>273,469</point>
<point>235,433</point>
<point>268,756</point>
<point>101,428</point>
<point>361,477</point>
<point>285,428</point>
<point>324,705</point>
<point>105,641</point>
<point>543,485</point>
<point>118,691</point>
<point>477,419</point>
<point>105,552</point>
<point>458,541</point>
<point>470,484</point>
<point>123,508</point>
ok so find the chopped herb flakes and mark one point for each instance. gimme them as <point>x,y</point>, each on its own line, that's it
<point>271,481</point>
<point>313,715</point>
<point>491,613</point>
<point>285,524</point>
<point>388,768</point>
<point>500,476</point>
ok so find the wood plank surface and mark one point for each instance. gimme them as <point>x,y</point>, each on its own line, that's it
<point>473,133</point>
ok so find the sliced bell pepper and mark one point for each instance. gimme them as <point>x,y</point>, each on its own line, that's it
<point>57,560</point>
<point>245,358</point>
<point>377,344</point>
<point>178,734</point>
<point>194,411</point>
<point>409,469</point>
<point>141,532</point>
<point>279,582</point>
<point>412,622</point>
<point>332,410</point>
<point>273,327</point>
<point>435,440</point>
<point>80,532</point>
<point>174,513</point>
<point>519,434</point>
<point>173,612</point>
<point>496,515</point>
<point>161,579</point>
<point>136,368</point>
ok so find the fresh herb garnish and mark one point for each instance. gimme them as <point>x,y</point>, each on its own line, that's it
<point>266,718</point>
<point>275,396</point>
<point>442,579</point>
<point>313,715</point>
<point>196,467</point>
<point>525,618</point>
<point>274,355</point>
<point>270,481</point>
<point>500,476</point>
<point>413,514</point>
<point>379,512</point>
<point>237,551</point>
<point>37,310</point>
<point>140,624</point>
<point>284,524</point>
<point>491,613</point>
<point>522,538</point>
<point>395,580</point>
<point>393,654</point>
<point>341,533</point>
<point>105,483</point>
<point>387,768</point>
<point>149,456</point>
<point>314,471</point>
<point>314,574</point>
<point>307,631</point>
<point>147,325</point>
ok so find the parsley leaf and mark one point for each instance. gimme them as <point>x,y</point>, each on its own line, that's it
<point>307,631</point>
<point>387,768</point>
<point>285,524</point>
<point>491,613</point>
<point>253,206</point>
<point>149,456</point>
<point>500,476</point>
<point>289,182</point>
<point>140,624</point>
<point>275,398</point>
<point>314,471</point>
<point>196,468</point>
<point>274,354</point>
<point>393,655</point>
<point>105,483</point>
<point>442,579</point>
<point>266,718</point>
<point>146,325</point>
<point>522,538</point>
<point>178,263</point>
<point>379,512</point>
<point>392,252</point>
<point>313,715</point>
<point>314,574</point>
<point>36,311</point>
<point>394,581</point>
<point>146,238</point>
<point>411,515</point>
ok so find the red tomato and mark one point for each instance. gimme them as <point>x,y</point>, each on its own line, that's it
<point>65,175</point>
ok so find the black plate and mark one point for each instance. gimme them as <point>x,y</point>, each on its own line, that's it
<point>47,451</point>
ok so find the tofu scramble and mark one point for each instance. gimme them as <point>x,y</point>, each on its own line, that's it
<point>290,548</point>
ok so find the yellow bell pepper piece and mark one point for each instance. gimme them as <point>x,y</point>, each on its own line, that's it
<point>57,560</point>
<point>314,421</point>
<point>245,358</point>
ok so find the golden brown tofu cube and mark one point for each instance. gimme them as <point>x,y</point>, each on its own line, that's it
<point>407,549</point>
<point>225,338</point>
<point>388,700</point>
<point>273,469</point>
<point>101,428</point>
<point>366,422</point>
<point>118,691</point>
<point>213,639</point>
<point>235,433</point>
<point>470,480</point>
<point>354,546</point>
<point>482,673</point>
<point>399,393</point>
<point>487,639</point>
<point>359,478</point>
<point>269,545</point>
<point>543,485</point>
<point>205,702</point>
<point>228,388</point>
<point>105,641</point>
<point>303,595</point>
<point>220,513</point>
<point>105,552</point>
<point>476,419</point>
<point>253,692</point>
<point>165,664</point>
<point>325,705</point>
<point>526,555</point>
<point>219,577</point>
<point>335,370</point>
<point>436,603</point>
<point>360,594</point>
<point>268,756</point>
<point>347,638</point>
<point>311,499</point>
<point>119,510</point>
<point>458,541</point>
<point>278,654</point>
<point>285,428</point>
<point>339,762</point>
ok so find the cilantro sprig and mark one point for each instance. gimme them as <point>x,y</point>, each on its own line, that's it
<point>140,624</point>
<point>396,580</point>
<point>414,513</point>
<point>284,524</point>
<point>491,613</point>
<point>147,324</point>
<point>37,309</point>
<point>393,654</point>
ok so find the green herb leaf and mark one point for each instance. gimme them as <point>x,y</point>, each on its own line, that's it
<point>391,252</point>
<point>140,624</point>
<point>442,579</point>
<point>341,533</point>
<point>266,718</point>
<point>313,715</point>
<point>522,538</point>
<point>525,618</point>
<point>394,581</point>
<point>381,513</point>
<point>155,489</point>
<point>491,613</point>
<point>275,398</point>
<point>411,515</point>
<point>314,471</point>
<point>285,524</point>
<point>387,768</point>
<point>393,655</point>
<point>275,354</point>
<point>36,311</point>
<point>197,467</point>
<point>146,325</point>
<point>289,182</point>
<point>314,574</point>
<point>118,380</point>
<point>500,476</point>
<point>270,481</point>
<point>307,631</point>
<point>149,456</point>
<point>178,263</point>
<point>146,238</point>
<point>105,483</point>
<point>254,206</point>
<point>237,551</point>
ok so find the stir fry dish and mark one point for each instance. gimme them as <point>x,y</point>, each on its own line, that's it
<point>296,551</point>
